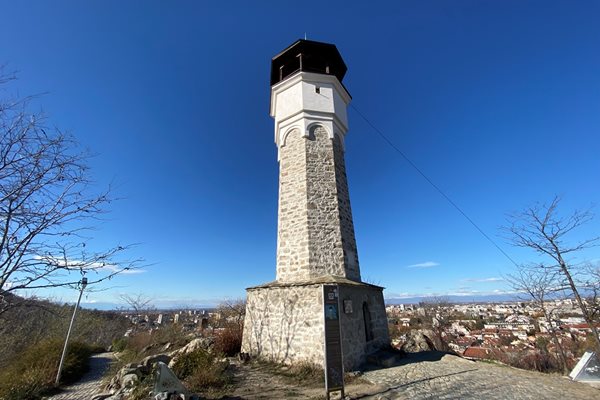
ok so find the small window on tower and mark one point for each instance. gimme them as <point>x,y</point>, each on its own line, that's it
<point>317,89</point>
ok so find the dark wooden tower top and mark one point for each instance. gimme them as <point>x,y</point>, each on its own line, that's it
<point>308,56</point>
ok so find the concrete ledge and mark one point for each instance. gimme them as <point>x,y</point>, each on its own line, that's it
<point>327,279</point>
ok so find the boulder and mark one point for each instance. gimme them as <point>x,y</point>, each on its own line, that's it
<point>149,361</point>
<point>167,381</point>
<point>198,343</point>
<point>129,380</point>
<point>417,341</point>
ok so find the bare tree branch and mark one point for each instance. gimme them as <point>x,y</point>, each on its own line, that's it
<point>542,229</point>
<point>47,203</point>
<point>138,303</point>
<point>541,284</point>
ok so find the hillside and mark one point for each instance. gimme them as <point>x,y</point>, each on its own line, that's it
<point>36,320</point>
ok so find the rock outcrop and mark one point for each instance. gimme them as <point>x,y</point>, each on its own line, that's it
<point>419,340</point>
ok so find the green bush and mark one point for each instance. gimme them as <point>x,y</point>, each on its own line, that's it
<point>33,373</point>
<point>119,345</point>
<point>174,334</point>
<point>187,364</point>
<point>24,326</point>
<point>200,370</point>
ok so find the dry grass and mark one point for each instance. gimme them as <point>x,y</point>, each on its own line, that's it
<point>32,374</point>
<point>303,373</point>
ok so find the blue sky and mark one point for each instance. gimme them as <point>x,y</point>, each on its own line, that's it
<point>497,102</point>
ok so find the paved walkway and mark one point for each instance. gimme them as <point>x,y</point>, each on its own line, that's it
<point>439,376</point>
<point>90,383</point>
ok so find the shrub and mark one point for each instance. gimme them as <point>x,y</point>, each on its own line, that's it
<point>140,341</point>
<point>151,342</point>
<point>187,364</point>
<point>228,341</point>
<point>23,327</point>
<point>536,361</point>
<point>200,370</point>
<point>141,390</point>
<point>33,373</point>
<point>305,372</point>
<point>119,345</point>
<point>174,334</point>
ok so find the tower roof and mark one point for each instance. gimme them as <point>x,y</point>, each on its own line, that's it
<point>309,56</point>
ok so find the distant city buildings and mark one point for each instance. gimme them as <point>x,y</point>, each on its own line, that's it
<point>188,319</point>
<point>495,331</point>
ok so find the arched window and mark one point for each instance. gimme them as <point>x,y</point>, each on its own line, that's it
<point>367,320</point>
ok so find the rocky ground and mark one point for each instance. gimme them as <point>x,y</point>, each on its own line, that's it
<point>432,375</point>
<point>426,375</point>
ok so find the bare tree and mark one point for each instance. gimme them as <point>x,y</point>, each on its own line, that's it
<point>47,204</point>
<point>542,229</point>
<point>540,284</point>
<point>437,311</point>
<point>232,311</point>
<point>139,302</point>
<point>592,286</point>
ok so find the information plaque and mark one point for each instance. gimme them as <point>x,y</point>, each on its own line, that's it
<point>334,363</point>
<point>587,369</point>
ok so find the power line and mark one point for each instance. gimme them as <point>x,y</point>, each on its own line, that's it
<point>440,191</point>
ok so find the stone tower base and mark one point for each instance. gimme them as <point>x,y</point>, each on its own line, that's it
<point>285,321</point>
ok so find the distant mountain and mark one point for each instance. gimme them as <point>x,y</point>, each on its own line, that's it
<point>107,306</point>
<point>491,298</point>
<point>388,300</point>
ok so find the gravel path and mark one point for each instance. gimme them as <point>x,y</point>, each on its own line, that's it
<point>90,383</point>
<point>438,376</point>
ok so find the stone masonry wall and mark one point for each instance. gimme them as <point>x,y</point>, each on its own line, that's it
<point>325,238</point>
<point>292,229</point>
<point>354,344</point>
<point>285,324</point>
<point>315,231</point>
<point>345,212</point>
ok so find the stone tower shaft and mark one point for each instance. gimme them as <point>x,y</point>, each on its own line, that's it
<point>285,319</point>
<point>315,235</point>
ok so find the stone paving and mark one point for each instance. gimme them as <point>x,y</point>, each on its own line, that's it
<point>90,384</point>
<point>438,376</point>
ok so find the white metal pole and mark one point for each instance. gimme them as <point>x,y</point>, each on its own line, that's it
<point>64,352</point>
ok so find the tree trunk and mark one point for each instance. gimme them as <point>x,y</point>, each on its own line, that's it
<point>582,306</point>
<point>561,353</point>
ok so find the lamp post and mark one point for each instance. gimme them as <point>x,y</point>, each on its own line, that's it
<point>62,357</point>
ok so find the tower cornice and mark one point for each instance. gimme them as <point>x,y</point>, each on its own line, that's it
<point>305,99</point>
<point>310,78</point>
